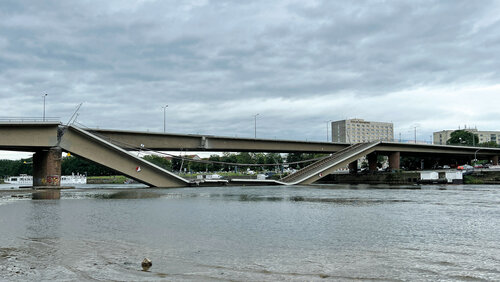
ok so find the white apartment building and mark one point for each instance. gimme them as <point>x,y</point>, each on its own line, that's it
<point>358,130</point>
<point>441,137</point>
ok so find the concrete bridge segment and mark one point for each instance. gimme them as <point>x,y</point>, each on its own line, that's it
<point>89,146</point>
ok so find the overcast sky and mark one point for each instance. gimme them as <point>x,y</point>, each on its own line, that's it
<point>430,64</point>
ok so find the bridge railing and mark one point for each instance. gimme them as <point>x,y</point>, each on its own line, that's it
<point>29,119</point>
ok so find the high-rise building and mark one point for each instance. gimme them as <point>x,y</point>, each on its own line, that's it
<point>358,130</point>
<point>440,137</point>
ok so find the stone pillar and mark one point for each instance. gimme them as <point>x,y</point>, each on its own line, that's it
<point>47,167</point>
<point>494,160</point>
<point>394,160</point>
<point>353,167</point>
<point>372,162</point>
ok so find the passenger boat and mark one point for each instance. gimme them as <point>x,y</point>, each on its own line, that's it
<point>24,179</point>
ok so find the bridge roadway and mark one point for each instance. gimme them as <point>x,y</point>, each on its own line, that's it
<point>111,148</point>
<point>193,142</point>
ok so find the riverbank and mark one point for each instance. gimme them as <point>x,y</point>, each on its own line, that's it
<point>112,179</point>
<point>483,177</point>
<point>406,177</point>
<point>393,178</point>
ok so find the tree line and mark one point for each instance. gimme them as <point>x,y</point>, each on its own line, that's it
<point>224,162</point>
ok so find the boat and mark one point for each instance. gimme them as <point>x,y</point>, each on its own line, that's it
<point>25,179</point>
<point>22,179</point>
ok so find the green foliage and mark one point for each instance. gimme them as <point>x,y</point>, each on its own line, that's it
<point>159,161</point>
<point>468,179</point>
<point>490,144</point>
<point>16,167</point>
<point>463,138</point>
<point>176,164</point>
<point>297,157</point>
<point>112,179</point>
<point>73,164</point>
<point>411,163</point>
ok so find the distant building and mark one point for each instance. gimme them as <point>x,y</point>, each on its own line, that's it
<point>358,130</point>
<point>441,137</point>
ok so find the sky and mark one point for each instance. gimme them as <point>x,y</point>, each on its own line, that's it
<point>432,65</point>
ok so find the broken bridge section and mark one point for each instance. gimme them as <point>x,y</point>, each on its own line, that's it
<point>87,145</point>
<point>323,167</point>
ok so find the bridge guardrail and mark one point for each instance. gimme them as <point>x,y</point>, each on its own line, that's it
<point>29,119</point>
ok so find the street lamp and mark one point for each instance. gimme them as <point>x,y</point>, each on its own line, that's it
<point>164,116</point>
<point>44,95</point>
<point>327,122</point>
<point>255,125</point>
<point>475,156</point>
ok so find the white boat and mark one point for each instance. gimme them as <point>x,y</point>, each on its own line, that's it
<point>73,179</point>
<point>24,179</point>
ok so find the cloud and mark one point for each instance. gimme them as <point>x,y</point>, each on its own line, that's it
<point>217,63</point>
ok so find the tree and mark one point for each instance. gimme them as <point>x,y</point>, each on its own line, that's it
<point>16,167</point>
<point>73,164</point>
<point>214,166</point>
<point>159,161</point>
<point>176,164</point>
<point>491,144</point>
<point>296,157</point>
<point>463,138</point>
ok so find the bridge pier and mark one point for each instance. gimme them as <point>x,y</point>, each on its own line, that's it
<point>494,160</point>
<point>372,162</point>
<point>353,167</point>
<point>394,160</point>
<point>47,168</point>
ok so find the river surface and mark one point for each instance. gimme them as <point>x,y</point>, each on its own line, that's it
<point>303,233</point>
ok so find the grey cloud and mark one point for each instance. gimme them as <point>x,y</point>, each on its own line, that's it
<point>125,59</point>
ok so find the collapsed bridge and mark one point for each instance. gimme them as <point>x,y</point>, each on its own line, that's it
<point>112,148</point>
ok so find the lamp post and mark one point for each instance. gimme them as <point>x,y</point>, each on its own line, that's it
<point>164,117</point>
<point>327,122</point>
<point>255,125</point>
<point>475,156</point>
<point>44,95</point>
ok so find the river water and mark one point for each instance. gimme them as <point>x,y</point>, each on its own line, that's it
<point>303,233</point>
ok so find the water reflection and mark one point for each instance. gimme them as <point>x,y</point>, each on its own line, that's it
<point>44,220</point>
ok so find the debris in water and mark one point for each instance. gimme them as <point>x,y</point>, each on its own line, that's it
<point>146,264</point>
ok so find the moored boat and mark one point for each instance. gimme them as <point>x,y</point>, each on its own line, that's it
<point>24,179</point>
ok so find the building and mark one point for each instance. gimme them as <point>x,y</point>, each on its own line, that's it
<point>441,137</point>
<point>358,130</point>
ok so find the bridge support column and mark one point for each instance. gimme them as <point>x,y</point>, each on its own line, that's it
<point>353,167</point>
<point>372,162</point>
<point>47,168</point>
<point>394,160</point>
<point>494,160</point>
